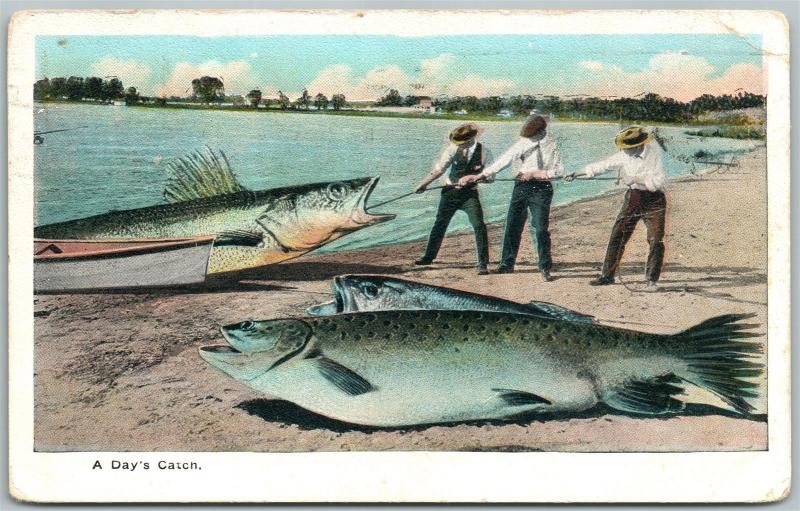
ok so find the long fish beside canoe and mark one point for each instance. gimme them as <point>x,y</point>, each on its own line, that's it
<point>253,228</point>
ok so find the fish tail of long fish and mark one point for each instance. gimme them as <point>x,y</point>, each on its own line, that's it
<point>719,359</point>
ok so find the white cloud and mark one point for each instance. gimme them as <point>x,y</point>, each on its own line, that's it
<point>131,72</point>
<point>340,79</point>
<point>475,85</point>
<point>591,64</point>
<point>434,76</point>
<point>237,77</point>
<point>677,75</point>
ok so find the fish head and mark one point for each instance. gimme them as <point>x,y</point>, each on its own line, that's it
<point>255,347</point>
<point>315,214</point>
<point>354,293</point>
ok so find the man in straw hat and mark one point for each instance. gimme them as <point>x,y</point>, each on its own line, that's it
<point>638,164</point>
<point>534,160</point>
<point>463,156</point>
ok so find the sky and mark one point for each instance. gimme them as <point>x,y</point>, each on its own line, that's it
<point>680,66</point>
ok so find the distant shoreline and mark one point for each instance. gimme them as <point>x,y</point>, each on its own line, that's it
<point>394,115</point>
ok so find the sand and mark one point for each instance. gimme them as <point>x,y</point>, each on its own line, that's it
<point>121,371</point>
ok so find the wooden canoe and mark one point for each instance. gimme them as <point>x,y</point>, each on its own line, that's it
<point>72,265</point>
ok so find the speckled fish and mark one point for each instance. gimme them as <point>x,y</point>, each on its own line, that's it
<point>362,293</point>
<point>421,367</point>
<point>254,228</point>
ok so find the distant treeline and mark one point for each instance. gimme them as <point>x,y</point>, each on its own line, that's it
<point>206,89</point>
<point>76,88</point>
<point>649,107</point>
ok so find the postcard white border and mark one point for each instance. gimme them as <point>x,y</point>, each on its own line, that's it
<point>397,476</point>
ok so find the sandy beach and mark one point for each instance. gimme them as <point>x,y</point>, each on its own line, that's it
<point>121,371</point>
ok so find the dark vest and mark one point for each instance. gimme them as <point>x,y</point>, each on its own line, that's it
<point>459,168</point>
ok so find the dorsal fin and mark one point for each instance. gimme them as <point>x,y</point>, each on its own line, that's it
<point>200,174</point>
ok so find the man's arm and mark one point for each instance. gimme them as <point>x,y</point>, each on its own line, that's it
<point>494,167</point>
<point>438,169</point>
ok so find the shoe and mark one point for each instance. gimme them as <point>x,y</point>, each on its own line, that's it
<point>423,262</point>
<point>483,271</point>
<point>652,284</point>
<point>504,269</point>
<point>546,276</point>
<point>601,281</point>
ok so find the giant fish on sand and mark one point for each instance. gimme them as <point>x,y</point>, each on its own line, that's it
<point>253,228</point>
<point>361,293</point>
<point>398,368</point>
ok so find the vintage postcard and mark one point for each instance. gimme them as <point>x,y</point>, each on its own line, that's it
<point>399,256</point>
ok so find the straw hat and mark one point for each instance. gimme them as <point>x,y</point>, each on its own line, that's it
<point>533,126</point>
<point>632,137</point>
<point>464,133</point>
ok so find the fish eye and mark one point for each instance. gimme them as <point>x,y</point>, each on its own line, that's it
<point>248,326</point>
<point>337,191</point>
<point>370,290</point>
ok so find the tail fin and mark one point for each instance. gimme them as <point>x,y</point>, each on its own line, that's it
<point>718,361</point>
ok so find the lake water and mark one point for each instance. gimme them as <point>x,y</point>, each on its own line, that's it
<point>118,161</point>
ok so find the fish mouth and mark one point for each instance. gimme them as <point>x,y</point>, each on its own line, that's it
<point>221,356</point>
<point>362,216</point>
<point>341,298</point>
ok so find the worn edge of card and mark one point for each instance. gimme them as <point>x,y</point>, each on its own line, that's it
<point>398,476</point>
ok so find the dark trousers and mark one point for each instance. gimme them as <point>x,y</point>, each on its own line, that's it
<point>533,196</point>
<point>651,208</point>
<point>468,201</point>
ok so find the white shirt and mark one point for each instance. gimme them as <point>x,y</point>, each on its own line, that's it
<point>642,172</point>
<point>448,156</point>
<point>528,154</point>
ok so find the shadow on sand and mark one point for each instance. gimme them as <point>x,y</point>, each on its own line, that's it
<point>310,270</point>
<point>279,411</point>
<point>211,286</point>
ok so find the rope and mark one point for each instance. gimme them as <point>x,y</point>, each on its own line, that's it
<point>502,179</point>
<point>409,194</point>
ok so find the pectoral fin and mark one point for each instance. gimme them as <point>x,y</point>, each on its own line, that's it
<point>520,398</point>
<point>651,396</point>
<point>343,378</point>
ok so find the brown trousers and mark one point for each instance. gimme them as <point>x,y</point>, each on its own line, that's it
<point>651,208</point>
